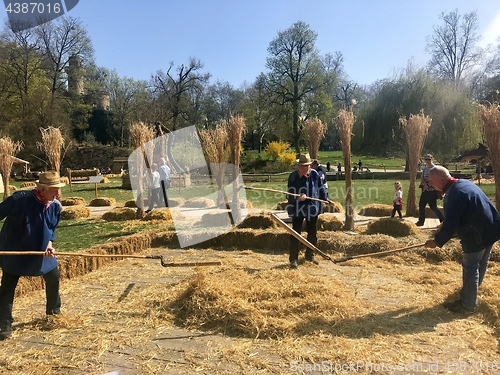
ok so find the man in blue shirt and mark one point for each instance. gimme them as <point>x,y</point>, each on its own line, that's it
<point>470,214</point>
<point>306,182</point>
<point>31,220</point>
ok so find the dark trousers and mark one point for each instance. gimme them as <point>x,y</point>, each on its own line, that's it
<point>164,188</point>
<point>429,198</point>
<point>8,288</point>
<point>312,230</point>
<point>155,198</point>
<point>397,208</point>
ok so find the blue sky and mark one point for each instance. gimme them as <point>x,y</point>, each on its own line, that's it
<point>376,37</point>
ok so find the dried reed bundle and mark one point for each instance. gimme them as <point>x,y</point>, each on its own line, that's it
<point>52,144</point>
<point>345,122</point>
<point>314,131</point>
<point>416,128</point>
<point>235,128</point>
<point>8,149</point>
<point>140,135</point>
<point>215,146</point>
<point>490,114</point>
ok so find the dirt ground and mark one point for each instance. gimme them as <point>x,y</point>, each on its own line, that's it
<point>107,325</point>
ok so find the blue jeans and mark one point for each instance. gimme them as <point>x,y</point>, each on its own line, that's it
<point>474,266</point>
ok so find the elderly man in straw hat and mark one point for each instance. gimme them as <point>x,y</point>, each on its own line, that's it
<point>31,220</point>
<point>307,183</point>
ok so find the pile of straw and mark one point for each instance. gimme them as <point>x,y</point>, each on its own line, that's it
<point>215,219</point>
<point>160,214</point>
<point>336,207</point>
<point>73,201</point>
<point>376,209</point>
<point>416,128</point>
<point>282,205</point>
<point>329,222</point>
<point>130,203</point>
<point>28,185</point>
<point>270,304</point>
<point>491,123</point>
<point>392,227</point>
<point>345,122</point>
<point>100,202</point>
<point>8,149</point>
<point>75,212</point>
<point>314,131</point>
<point>176,202</point>
<point>119,214</point>
<point>258,221</point>
<point>199,203</point>
<point>52,144</point>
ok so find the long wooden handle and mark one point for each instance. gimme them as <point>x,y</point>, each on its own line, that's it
<point>299,237</point>
<point>287,193</point>
<point>344,259</point>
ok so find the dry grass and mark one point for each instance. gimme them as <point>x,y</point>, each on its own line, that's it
<point>75,212</point>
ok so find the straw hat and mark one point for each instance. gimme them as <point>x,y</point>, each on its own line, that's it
<point>50,179</point>
<point>304,159</point>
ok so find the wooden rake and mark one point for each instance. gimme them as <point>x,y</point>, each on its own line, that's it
<point>88,255</point>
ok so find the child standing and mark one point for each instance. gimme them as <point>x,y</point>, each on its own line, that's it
<point>398,199</point>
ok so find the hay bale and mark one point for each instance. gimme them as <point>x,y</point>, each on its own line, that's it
<point>64,180</point>
<point>27,185</point>
<point>258,221</point>
<point>100,202</point>
<point>199,203</point>
<point>131,203</point>
<point>215,219</point>
<point>330,222</point>
<point>75,212</point>
<point>379,210</point>
<point>282,205</point>
<point>159,214</point>
<point>119,214</point>
<point>12,188</point>
<point>392,227</point>
<point>104,180</point>
<point>336,207</point>
<point>73,201</point>
<point>176,202</point>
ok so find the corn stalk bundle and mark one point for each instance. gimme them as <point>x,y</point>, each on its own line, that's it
<point>235,128</point>
<point>416,128</point>
<point>8,149</point>
<point>52,144</point>
<point>345,121</point>
<point>215,145</point>
<point>490,115</point>
<point>314,131</point>
<point>140,135</point>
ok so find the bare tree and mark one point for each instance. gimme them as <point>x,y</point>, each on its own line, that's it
<point>453,46</point>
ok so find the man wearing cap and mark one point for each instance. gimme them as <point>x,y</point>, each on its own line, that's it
<point>31,220</point>
<point>307,183</point>
<point>429,194</point>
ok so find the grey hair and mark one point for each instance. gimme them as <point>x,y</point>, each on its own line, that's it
<point>439,171</point>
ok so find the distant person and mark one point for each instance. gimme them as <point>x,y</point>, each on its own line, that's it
<point>429,195</point>
<point>328,166</point>
<point>306,182</point>
<point>165,179</point>
<point>360,165</point>
<point>31,218</point>
<point>322,174</point>
<point>339,169</point>
<point>397,199</point>
<point>155,188</point>
<point>470,214</point>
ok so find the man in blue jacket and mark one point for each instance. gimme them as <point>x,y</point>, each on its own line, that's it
<point>305,182</point>
<point>470,214</point>
<point>31,220</point>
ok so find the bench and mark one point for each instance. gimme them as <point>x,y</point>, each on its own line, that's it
<point>80,175</point>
